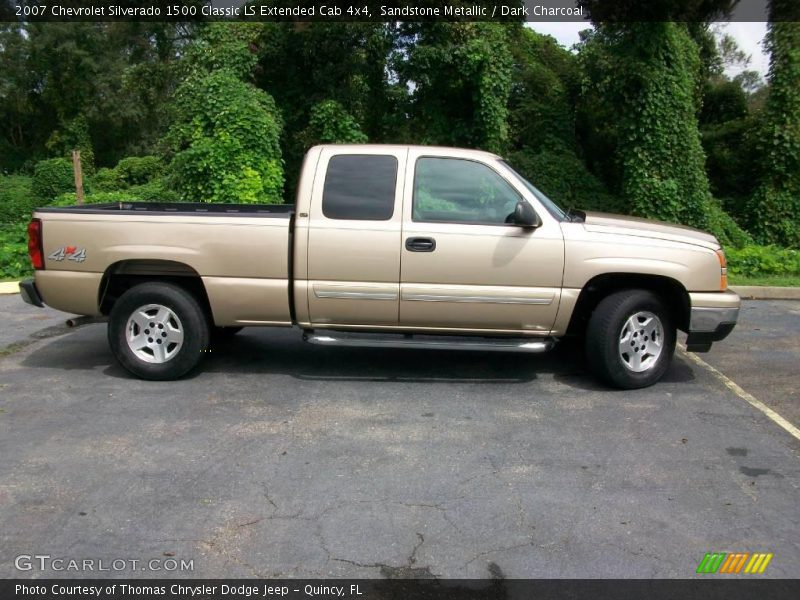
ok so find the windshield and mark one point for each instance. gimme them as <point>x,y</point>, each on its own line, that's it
<point>553,208</point>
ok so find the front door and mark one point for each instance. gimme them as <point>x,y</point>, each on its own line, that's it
<point>463,267</point>
<point>354,238</point>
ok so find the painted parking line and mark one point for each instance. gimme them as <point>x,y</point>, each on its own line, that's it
<point>744,395</point>
<point>9,287</point>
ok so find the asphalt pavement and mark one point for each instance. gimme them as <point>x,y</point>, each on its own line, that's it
<point>281,459</point>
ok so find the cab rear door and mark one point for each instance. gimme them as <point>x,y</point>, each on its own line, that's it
<point>354,237</point>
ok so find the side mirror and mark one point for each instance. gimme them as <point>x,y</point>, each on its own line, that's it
<point>525,216</point>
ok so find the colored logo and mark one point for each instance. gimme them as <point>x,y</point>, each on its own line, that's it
<point>734,562</point>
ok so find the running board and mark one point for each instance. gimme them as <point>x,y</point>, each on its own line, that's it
<point>430,342</point>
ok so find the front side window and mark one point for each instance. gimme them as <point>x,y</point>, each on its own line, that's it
<point>461,191</point>
<point>360,187</point>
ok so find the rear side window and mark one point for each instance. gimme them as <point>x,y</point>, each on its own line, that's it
<point>360,187</point>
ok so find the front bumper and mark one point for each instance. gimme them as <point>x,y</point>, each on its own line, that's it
<point>713,317</point>
<point>29,293</point>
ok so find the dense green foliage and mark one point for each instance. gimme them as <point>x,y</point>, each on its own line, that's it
<point>52,177</point>
<point>760,261</point>
<point>138,170</point>
<point>330,123</point>
<point>130,171</point>
<point>649,78</point>
<point>224,137</point>
<point>774,210</point>
<point>16,199</point>
<point>639,118</point>
<point>14,261</point>
<point>304,66</point>
<point>224,140</point>
<point>461,75</point>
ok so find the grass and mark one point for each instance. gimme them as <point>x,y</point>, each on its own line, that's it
<point>774,280</point>
<point>14,348</point>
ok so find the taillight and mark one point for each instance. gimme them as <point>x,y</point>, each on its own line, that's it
<point>35,244</point>
<point>723,270</point>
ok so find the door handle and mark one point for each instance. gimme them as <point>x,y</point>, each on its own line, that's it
<point>420,244</point>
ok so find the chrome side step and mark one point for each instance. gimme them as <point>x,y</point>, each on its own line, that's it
<point>430,342</point>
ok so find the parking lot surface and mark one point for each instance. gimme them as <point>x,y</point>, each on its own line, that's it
<point>281,459</point>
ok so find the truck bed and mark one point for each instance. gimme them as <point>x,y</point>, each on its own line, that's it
<point>240,252</point>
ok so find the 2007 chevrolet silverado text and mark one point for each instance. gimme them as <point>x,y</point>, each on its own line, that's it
<point>386,246</point>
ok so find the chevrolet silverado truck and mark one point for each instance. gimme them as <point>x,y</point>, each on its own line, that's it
<point>386,246</point>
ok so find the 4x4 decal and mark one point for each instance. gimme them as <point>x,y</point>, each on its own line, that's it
<point>68,252</point>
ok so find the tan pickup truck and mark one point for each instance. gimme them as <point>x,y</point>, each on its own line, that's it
<point>438,248</point>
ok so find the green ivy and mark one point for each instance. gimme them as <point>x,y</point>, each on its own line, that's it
<point>643,76</point>
<point>461,74</point>
<point>562,176</point>
<point>137,170</point>
<point>224,137</point>
<point>14,260</point>
<point>330,123</point>
<point>759,261</point>
<point>728,231</point>
<point>108,180</point>
<point>16,199</point>
<point>224,45</point>
<point>73,135</point>
<point>70,199</point>
<point>774,209</point>
<point>52,177</point>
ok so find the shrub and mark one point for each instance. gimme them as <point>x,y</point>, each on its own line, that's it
<point>562,176</point>
<point>52,177</point>
<point>774,207</point>
<point>70,198</point>
<point>225,141</point>
<point>107,180</point>
<point>722,225</point>
<point>138,170</point>
<point>16,199</point>
<point>757,261</point>
<point>330,123</point>
<point>154,191</point>
<point>14,260</point>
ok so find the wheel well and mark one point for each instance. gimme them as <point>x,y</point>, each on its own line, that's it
<point>597,288</point>
<point>123,275</point>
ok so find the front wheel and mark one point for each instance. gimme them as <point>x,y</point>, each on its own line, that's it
<point>630,339</point>
<point>158,331</point>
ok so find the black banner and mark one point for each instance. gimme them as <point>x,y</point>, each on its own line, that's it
<point>733,588</point>
<point>397,10</point>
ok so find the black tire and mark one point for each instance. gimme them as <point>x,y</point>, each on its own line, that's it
<point>192,322</point>
<point>603,340</point>
<point>224,333</point>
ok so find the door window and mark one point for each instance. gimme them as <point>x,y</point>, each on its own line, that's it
<point>454,190</point>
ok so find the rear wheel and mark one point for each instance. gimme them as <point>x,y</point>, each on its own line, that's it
<point>158,331</point>
<point>630,339</point>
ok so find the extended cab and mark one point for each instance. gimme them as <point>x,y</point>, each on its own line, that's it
<point>386,246</point>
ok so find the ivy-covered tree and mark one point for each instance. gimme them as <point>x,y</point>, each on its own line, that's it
<point>330,123</point>
<point>224,138</point>
<point>774,209</point>
<point>461,77</point>
<point>659,146</point>
<point>544,87</point>
<point>302,65</point>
